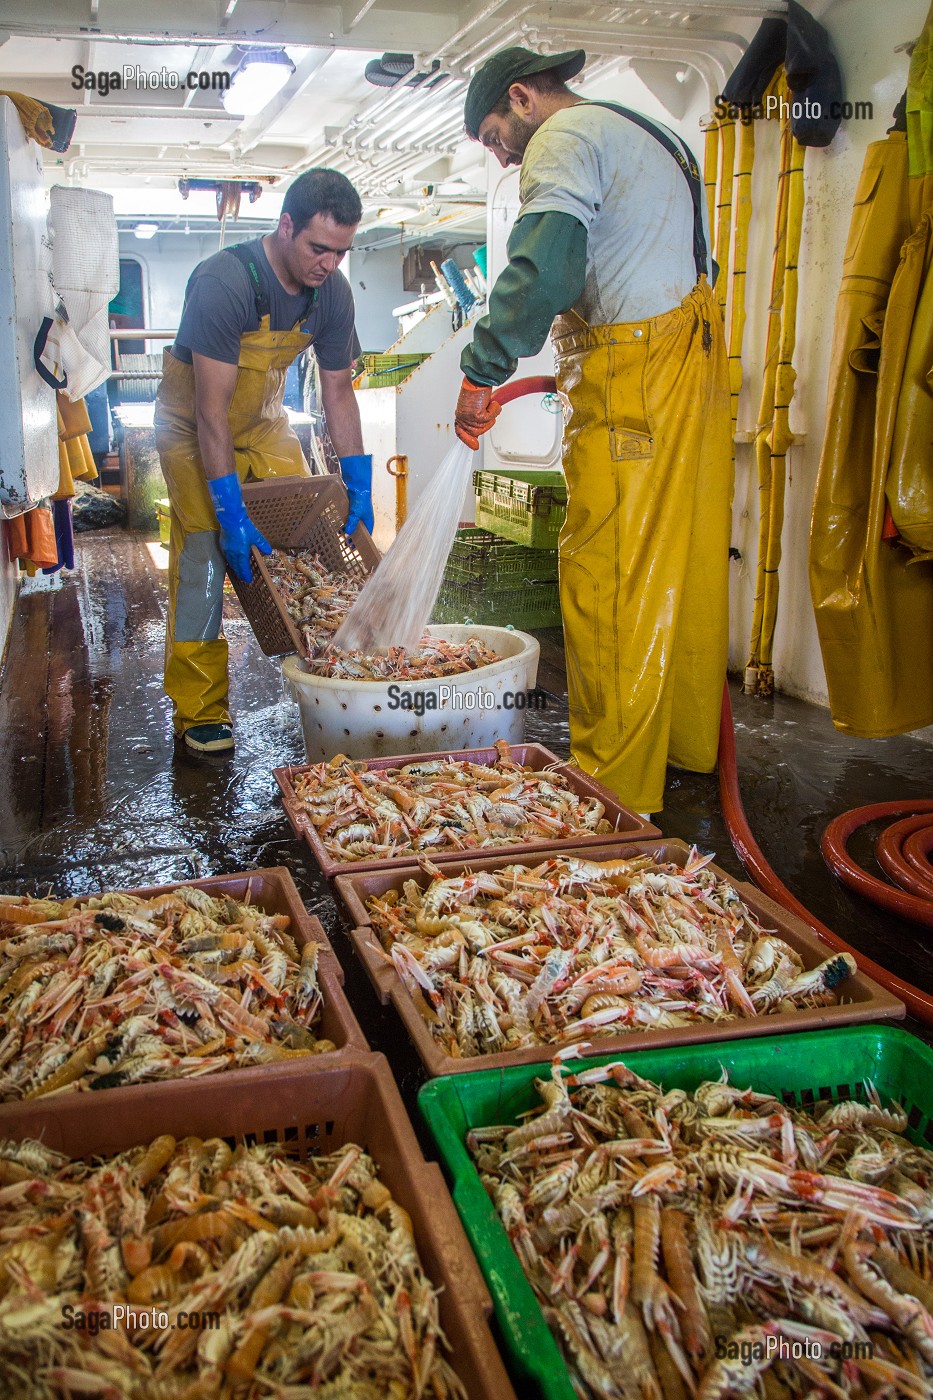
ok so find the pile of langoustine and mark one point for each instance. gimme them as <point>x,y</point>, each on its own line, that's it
<point>318,601</point>
<point>198,1270</point>
<point>443,804</point>
<point>501,959</point>
<point>720,1243</point>
<point>116,989</point>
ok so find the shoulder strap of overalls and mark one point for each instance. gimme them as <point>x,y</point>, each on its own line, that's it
<point>246,255</point>
<point>691,174</point>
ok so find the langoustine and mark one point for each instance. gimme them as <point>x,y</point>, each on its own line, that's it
<point>318,600</point>
<point>570,949</point>
<point>719,1243</point>
<point>198,1269</point>
<point>443,804</point>
<point>118,990</point>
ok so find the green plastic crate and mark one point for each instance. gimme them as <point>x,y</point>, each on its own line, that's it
<point>164,517</point>
<point>527,507</point>
<point>799,1069</point>
<point>536,603</point>
<point>382,371</point>
<point>478,556</point>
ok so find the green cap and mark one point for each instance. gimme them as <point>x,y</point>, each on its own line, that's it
<point>498,73</point>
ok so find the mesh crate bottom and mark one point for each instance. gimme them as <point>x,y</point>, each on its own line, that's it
<point>527,507</point>
<point>535,604</point>
<point>482,557</point>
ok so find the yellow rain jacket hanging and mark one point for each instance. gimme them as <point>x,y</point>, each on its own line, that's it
<point>871,537</point>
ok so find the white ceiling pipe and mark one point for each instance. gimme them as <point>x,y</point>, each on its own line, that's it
<point>713,68</point>
<point>385,107</point>
<point>703,38</point>
<point>376,136</point>
<point>408,115</point>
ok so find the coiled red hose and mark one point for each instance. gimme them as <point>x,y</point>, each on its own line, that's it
<point>919,1004</point>
<point>903,850</point>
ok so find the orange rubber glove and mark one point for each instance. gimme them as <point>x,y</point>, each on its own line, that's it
<point>476,413</point>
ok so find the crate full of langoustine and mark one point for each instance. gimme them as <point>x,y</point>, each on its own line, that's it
<point>282,1237</point>
<point>502,961</point>
<point>125,989</point>
<point>730,1219</point>
<point>375,814</point>
<point>300,592</point>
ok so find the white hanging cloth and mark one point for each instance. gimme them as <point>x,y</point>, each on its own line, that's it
<point>86,277</point>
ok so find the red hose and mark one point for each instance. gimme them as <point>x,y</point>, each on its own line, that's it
<point>534,384</point>
<point>918,1003</point>
<point>833,845</point>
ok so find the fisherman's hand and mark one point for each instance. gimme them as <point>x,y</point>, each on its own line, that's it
<point>476,413</point>
<point>357,473</point>
<point>237,531</point>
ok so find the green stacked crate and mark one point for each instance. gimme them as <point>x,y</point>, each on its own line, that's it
<point>527,507</point>
<point>492,581</point>
<point>384,371</point>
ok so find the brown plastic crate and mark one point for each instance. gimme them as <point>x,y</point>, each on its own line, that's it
<point>630,826</point>
<point>297,512</point>
<point>355,1100</point>
<point>867,1000</point>
<point>273,890</point>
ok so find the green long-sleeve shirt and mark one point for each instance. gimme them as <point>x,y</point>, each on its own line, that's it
<point>544,277</point>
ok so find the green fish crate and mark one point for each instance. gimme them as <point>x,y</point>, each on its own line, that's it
<point>384,371</point>
<point>800,1070</point>
<point>532,603</point>
<point>479,556</point>
<point>527,507</point>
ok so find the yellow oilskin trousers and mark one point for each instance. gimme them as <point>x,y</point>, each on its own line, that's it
<point>644,550</point>
<point>264,445</point>
<point>873,602</point>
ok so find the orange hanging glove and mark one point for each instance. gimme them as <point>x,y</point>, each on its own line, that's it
<point>476,412</point>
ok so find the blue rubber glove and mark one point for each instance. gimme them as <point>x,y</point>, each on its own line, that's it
<point>237,531</point>
<point>357,473</point>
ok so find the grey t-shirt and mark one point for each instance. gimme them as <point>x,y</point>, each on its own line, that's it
<point>220,306</point>
<point>631,197</point>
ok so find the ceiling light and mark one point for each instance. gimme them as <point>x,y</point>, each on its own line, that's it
<point>146,230</point>
<point>261,75</point>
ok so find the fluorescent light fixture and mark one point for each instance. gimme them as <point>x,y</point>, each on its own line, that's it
<point>146,230</point>
<point>261,75</point>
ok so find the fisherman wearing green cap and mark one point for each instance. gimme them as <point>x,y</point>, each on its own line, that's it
<point>609,254</point>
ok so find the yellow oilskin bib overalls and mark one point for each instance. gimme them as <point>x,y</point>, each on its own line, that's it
<point>264,445</point>
<point>644,549</point>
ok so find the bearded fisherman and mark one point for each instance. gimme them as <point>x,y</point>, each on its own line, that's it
<point>250,310</point>
<point>610,255</point>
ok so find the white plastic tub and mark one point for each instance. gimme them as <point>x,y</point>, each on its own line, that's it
<point>373,719</point>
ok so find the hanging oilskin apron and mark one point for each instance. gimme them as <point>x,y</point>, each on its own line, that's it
<point>264,445</point>
<point>874,607</point>
<point>645,546</point>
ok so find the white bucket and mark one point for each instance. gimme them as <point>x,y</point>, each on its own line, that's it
<point>373,719</point>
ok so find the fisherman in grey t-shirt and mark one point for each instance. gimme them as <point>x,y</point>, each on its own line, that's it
<point>249,312</point>
<point>220,305</point>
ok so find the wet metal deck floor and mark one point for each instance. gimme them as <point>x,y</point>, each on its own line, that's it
<point>95,793</point>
